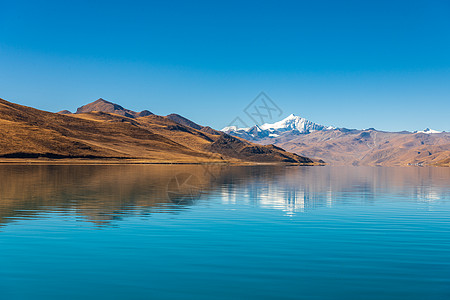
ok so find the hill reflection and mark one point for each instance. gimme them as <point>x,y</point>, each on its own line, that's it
<point>102,193</point>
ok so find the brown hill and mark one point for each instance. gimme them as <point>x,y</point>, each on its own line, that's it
<point>182,120</point>
<point>109,107</point>
<point>26,132</point>
<point>64,112</point>
<point>370,147</point>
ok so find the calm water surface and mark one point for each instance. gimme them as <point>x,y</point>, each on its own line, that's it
<point>210,232</point>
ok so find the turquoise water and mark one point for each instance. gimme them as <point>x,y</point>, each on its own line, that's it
<point>210,232</point>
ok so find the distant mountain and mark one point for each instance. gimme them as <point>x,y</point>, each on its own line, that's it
<point>104,131</point>
<point>428,131</point>
<point>369,147</point>
<point>109,107</point>
<point>341,146</point>
<point>291,125</point>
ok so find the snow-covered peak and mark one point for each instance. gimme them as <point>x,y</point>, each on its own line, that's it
<point>428,131</point>
<point>291,123</point>
<point>295,123</point>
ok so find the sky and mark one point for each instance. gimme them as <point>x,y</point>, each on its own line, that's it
<point>355,64</point>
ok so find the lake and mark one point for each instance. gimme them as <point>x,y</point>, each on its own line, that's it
<point>224,232</point>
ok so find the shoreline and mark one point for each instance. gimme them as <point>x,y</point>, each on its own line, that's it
<point>15,161</point>
<point>106,161</point>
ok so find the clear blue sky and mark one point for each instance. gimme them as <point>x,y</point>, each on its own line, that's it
<point>357,64</point>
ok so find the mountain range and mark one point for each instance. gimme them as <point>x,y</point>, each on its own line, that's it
<point>342,146</point>
<point>103,131</point>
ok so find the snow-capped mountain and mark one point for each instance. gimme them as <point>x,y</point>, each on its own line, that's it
<point>292,124</point>
<point>428,131</point>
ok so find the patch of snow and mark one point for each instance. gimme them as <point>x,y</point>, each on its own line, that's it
<point>229,128</point>
<point>234,128</point>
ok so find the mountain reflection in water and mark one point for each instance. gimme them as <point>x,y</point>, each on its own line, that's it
<point>104,194</point>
